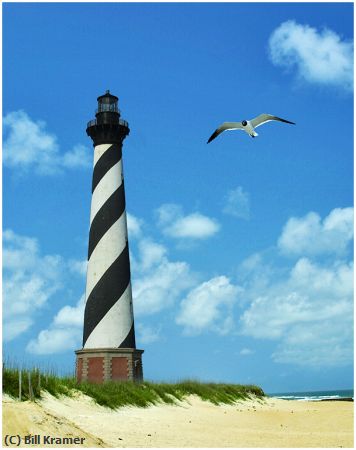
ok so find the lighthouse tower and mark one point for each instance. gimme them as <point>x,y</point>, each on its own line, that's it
<point>109,349</point>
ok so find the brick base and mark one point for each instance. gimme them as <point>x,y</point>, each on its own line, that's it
<point>105,364</point>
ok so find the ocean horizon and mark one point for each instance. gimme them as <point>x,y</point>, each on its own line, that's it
<point>314,395</point>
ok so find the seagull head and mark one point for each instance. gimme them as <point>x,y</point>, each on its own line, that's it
<point>244,123</point>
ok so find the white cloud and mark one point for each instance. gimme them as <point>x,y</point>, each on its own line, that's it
<point>160,286</point>
<point>167,213</point>
<point>246,352</point>
<point>310,293</point>
<point>314,347</point>
<point>64,333</point>
<point>147,335</point>
<point>150,254</point>
<point>29,146</point>
<point>134,226</point>
<point>29,281</point>
<point>70,316</point>
<point>195,226</point>
<point>157,282</point>
<point>208,307</point>
<point>78,157</point>
<point>305,313</point>
<point>18,251</point>
<point>320,56</point>
<point>15,327</point>
<point>310,235</point>
<point>57,340</point>
<point>78,267</point>
<point>192,226</point>
<point>237,203</point>
<point>330,282</point>
<point>308,309</point>
<point>249,265</point>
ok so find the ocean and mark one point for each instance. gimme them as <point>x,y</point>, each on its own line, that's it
<point>315,395</point>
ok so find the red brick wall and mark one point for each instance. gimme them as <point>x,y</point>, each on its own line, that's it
<point>119,369</point>
<point>95,369</point>
<point>79,369</point>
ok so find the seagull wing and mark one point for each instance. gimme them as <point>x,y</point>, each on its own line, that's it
<point>225,126</point>
<point>263,118</point>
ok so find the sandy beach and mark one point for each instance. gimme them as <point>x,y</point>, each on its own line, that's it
<point>193,423</point>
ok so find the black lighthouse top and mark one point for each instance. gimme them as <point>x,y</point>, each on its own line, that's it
<point>107,128</point>
<point>107,102</point>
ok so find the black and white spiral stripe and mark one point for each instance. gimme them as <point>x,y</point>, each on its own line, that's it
<point>108,317</point>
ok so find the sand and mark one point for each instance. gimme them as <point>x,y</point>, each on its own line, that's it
<point>192,423</point>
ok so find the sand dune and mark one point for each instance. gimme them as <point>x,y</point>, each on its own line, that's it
<point>193,423</point>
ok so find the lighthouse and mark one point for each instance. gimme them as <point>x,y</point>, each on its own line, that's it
<point>109,348</point>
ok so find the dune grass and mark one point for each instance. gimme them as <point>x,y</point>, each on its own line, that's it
<point>117,394</point>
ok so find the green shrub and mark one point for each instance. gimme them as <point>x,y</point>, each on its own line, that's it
<point>117,394</point>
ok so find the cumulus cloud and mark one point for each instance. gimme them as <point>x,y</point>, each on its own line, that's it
<point>159,284</point>
<point>309,235</point>
<point>151,254</point>
<point>147,335</point>
<point>308,309</point>
<point>30,279</point>
<point>314,347</point>
<point>209,307</point>
<point>237,203</point>
<point>78,267</point>
<point>15,327</point>
<point>321,57</point>
<point>157,281</point>
<point>64,333</point>
<point>56,340</point>
<point>193,226</point>
<point>78,157</point>
<point>310,293</point>
<point>134,226</point>
<point>29,146</point>
<point>70,316</point>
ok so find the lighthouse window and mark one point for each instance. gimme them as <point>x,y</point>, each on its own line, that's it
<point>108,107</point>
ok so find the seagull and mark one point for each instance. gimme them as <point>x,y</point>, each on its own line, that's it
<point>247,125</point>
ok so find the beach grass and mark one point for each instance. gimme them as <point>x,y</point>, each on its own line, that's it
<point>30,384</point>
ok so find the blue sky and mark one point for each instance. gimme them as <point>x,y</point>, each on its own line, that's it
<point>241,250</point>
